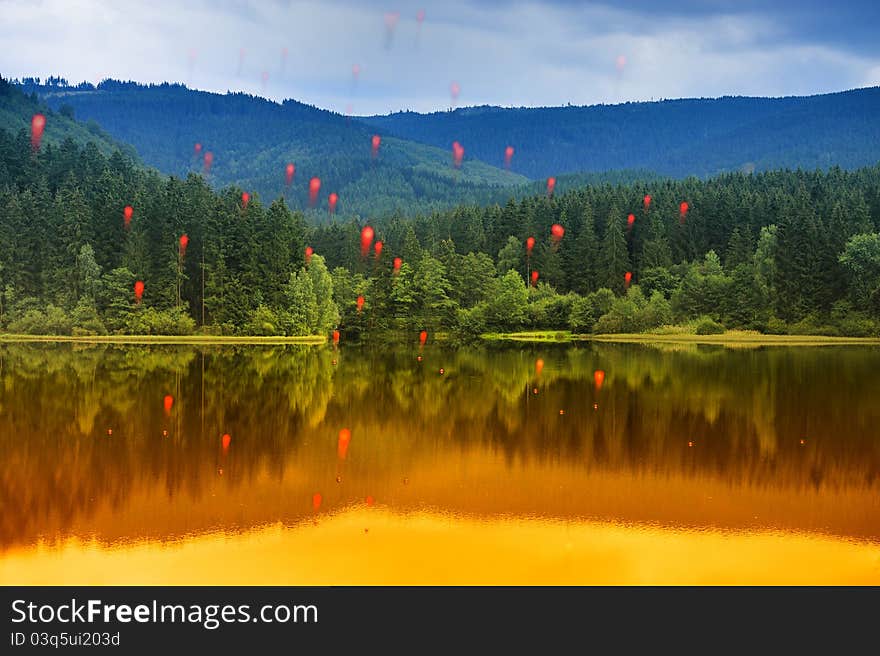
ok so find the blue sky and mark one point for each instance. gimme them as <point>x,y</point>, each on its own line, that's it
<point>497,51</point>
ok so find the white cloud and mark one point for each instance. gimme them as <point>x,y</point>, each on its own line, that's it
<point>510,54</point>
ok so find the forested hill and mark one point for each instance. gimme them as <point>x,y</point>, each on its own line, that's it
<point>252,140</point>
<point>17,109</point>
<point>701,137</point>
<point>784,251</point>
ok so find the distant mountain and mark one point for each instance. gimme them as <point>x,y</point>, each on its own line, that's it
<point>253,139</point>
<point>675,138</point>
<point>17,109</point>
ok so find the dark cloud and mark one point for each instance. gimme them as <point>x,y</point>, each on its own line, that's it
<point>500,52</point>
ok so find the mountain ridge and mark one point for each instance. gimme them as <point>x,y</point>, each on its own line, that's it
<point>670,137</point>
<point>253,139</point>
<point>17,109</point>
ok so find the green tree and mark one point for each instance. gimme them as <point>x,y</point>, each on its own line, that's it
<point>861,259</point>
<point>511,256</point>
<point>581,261</point>
<point>88,274</point>
<point>116,300</point>
<point>431,292</point>
<point>740,249</point>
<point>586,310</point>
<point>302,304</point>
<point>506,306</point>
<point>745,302</point>
<point>614,256</point>
<point>656,253</point>
<point>327,314</point>
<point>476,275</point>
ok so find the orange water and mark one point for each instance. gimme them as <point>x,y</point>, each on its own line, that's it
<point>690,465</point>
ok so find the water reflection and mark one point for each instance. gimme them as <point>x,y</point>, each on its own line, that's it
<point>775,441</point>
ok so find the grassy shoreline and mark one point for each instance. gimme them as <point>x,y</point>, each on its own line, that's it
<point>166,339</point>
<point>731,337</point>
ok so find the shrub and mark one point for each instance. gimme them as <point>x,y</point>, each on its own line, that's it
<point>658,312</point>
<point>812,324</point>
<point>550,312</point>
<point>658,279</point>
<point>86,320</point>
<point>57,321</point>
<point>586,310</point>
<point>776,326</point>
<point>708,326</point>
<point>30,323</point>
<point>582,316</point>
<point>150,321</point>
<point>558,311</point>
<point>624,317</point>
<point>859,326</point>
<point>472,322</point>
<point>263,321</point>
<point>54,321</point>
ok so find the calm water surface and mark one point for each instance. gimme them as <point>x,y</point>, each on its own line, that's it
<point>689,464</point>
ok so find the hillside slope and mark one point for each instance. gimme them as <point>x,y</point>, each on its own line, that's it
<point>677,138</point>
<point>252,140</point>
<point>17,109</point>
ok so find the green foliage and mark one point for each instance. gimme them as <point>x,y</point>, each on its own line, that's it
<point>615,258</point>
<point>861,260</point>
<point>151,321</point>
<point>708,326</point>
<point>634,314</point>
<point>310,306</point>
<point>657,312</point>
<point>69,264</point>
<point>54,321</point>
<point>88,274</point>
<point>740,248</point>
<point>745,302</point>
<point>511,257</point>
<point>553,311</point>
<point>472,322</point>
<point>702,291</point>
<point>659,279</point>
<point>264,321</point>
<point>507,303</point>
<point>85,318</point>
<point>472,275</point>
<point>852,323</point>
<point>116,300</point>
<point>430,289</point>
<point>17,108</point>
<point>586,310</point>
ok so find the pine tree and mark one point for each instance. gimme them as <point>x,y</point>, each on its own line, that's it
<point>740,249</point>
<point>580,261</point>
<point>656,252</point>
<point>614,257</point>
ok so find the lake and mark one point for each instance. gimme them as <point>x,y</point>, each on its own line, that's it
<point>684,464</point>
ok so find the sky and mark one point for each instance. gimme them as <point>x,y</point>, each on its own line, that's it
<point>498,52</point>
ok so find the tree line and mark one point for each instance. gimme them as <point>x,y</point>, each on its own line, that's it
<point>783,251</point>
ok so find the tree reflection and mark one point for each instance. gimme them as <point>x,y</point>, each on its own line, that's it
<point>785,419</point>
